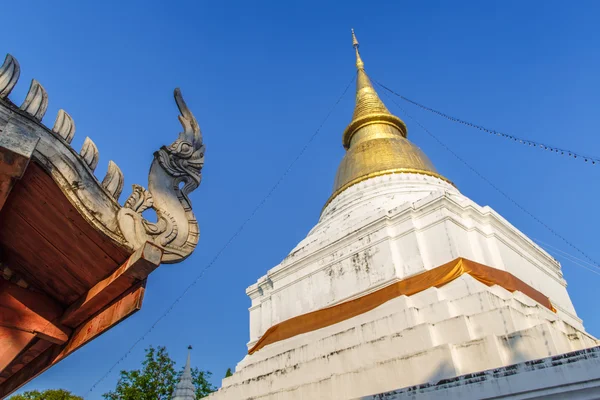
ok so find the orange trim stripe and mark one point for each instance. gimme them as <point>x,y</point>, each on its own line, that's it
<point>436,277</point>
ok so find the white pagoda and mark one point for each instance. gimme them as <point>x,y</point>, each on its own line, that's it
<point>406,288</point>
<point>185,389</point>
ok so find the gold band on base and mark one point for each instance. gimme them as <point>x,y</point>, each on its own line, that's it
<point>436,277</point>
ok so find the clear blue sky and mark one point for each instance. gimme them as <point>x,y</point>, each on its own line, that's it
<point>260,77</point>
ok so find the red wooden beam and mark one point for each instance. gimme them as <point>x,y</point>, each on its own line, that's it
<point>32,312</point>
<point>37,347</point>
<point>29,371</point>
<point>12,342</point>
<point>137,268</point>
<point>129,303</point>
<point>28,326</point>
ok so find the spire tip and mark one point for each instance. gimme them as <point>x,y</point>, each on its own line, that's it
<point>359,62</point>
<point>354,39</point>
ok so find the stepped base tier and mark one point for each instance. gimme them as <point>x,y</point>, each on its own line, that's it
<point>379,234</point>
<point>574,375</point>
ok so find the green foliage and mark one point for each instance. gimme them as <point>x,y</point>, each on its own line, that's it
<point>58,394</point>
<point>228,373</point>
<point>200,380</point>
<point>156,379</point>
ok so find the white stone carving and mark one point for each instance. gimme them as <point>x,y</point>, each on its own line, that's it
<point>89,153</point>
<point>113,181</point>
<point>64,126</point>
<point>36,102</point>
<point>9,75</point>
<point>175,172</point>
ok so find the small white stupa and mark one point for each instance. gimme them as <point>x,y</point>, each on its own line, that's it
<point>185,389</point>
<point>407,283</point>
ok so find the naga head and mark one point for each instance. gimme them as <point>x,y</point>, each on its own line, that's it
<point>176,229</point>
<point>184,158</point>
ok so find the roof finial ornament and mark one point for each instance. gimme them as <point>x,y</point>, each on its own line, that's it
<point>176,229</point>
<point>355,44</point>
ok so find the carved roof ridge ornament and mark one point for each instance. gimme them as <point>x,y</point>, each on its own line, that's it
<point>174,173</point>
<point>113,180</point>
<point>176,229</point>
<point>36,101</point>
<point>9,75</point>
<point>89,153</point>
<point>64,126</point>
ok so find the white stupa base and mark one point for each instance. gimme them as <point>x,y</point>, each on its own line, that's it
<point>463,327</point>
<point>376,233</point>
<point>574,375</point>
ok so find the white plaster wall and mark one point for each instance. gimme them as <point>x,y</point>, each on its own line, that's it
<point>460,328</point>
<point>375,233</point>
<point>386,229</point>
<point>573,376</point>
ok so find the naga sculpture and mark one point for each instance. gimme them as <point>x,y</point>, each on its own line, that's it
<point>175,172</point>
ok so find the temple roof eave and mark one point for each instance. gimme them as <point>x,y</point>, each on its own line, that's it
<point>98,201</point>
<point>73,259</point>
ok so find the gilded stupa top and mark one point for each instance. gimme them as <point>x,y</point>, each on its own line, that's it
<point>375,140</point>
<point>369,107</point>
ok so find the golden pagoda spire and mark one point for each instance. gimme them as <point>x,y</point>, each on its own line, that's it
<point>375,140</point>
<point>355,44</point>
<point>369,106</point>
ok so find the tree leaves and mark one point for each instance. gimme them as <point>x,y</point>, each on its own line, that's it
<point>156,379</point>
<point>51,394</point>
<point>200,380</point>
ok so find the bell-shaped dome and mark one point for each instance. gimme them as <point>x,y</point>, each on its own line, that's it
<point>375,140</point>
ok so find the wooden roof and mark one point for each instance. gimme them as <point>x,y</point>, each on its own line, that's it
<point>73,260</point>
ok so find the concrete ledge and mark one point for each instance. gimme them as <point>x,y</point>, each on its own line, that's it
<point>574,375</point>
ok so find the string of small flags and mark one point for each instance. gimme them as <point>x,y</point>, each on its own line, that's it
<point>527,142</point>
<point>498,189</point>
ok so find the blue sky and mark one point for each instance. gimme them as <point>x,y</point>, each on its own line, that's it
<point>260,77</point>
